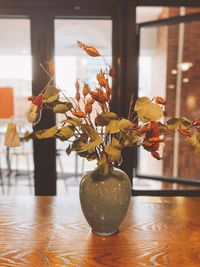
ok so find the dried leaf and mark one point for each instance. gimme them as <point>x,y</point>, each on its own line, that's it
<point>73,121</point>
<point>103,167</point>
<point>141,101</point>
<point>66,131</point>
<point>116,143</point>
<point>196,123</point>
<point>51,99</point>
<point>49,133</point>
<point>51,91</point>
<point>160,100</point>
<point>104,118</point>
<point>90,50</point>
<point>113,153</point>
<point>91,146</point>
<point>112,127</point>
<point>173,123</point>
<point>156,155</point>
<point>125,125</point>
<point>150,112</point>
<point>62,108</point>
<point>69,150</point>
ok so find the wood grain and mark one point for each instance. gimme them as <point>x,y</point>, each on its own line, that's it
<point>51,231</point>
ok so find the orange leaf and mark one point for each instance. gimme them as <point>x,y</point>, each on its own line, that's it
<point>160,100</point>
<point>90,50</point>
<point>88,108</point>
<point>156,155</point>
<point>196,123</point>
<point>77,86</point>
<point>86,90</point>
<point>185,132</point>
<point>155,140</point>
<point>101,79</point>
<point>77,96</point>
<point>79,114</point>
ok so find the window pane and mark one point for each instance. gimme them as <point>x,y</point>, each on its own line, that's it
<point>72,63</point>
<point>169,67</point>
<point>145,14</point>
<point>15,75</point>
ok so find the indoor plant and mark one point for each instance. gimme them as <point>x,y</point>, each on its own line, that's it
<point>101,135</point>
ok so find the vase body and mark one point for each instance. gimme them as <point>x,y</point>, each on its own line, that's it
<point>105,200</point>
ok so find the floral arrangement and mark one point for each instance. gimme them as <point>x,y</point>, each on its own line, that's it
<point>96,133</point>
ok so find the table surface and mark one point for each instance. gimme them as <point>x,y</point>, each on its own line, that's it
<point>51,231</point>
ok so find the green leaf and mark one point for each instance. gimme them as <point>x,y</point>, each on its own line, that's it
<point>62,108</point>
<point>125,125</point>
<point>141,101</point>
<point>150,112</point>
<point>67,132</point>
<point>114,154</point>
<point>49,133</point>
<point>112,127</point>
<point>51,91</point>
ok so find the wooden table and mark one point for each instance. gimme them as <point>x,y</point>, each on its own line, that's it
<point>51,231</point>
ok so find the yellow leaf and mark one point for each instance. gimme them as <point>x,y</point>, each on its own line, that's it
<point>141,101</point>
<point>114,154</point>
<point>73,121</point>
<point>66,132</point>
<point>51,132</point>
<point>125,125</point>
<point>91,146</point>
<point>104,118</point>
<point>150,112</point>
<point>112,127</point>
<point>116,143</point>
<point>103,166</point>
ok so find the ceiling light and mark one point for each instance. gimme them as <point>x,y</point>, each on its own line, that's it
<point>185,66</point>
<point>174,72</point>
<point>186,80</point>
<point>171,86</point>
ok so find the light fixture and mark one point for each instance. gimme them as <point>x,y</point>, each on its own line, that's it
<point>171,86</point>
<point>186,80</point>
<point>174,72</point>
<point>185,66</point>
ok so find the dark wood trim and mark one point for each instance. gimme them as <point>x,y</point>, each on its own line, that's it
<point>74,5</point>
<point>42,45</point>
<point>169,21</point>
<point>173,3</point>
<point>167,193</point>
<point>170,180</point>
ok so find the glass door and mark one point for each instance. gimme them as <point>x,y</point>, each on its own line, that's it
<point>71,65</point>
<point>169,63</point>
<point>15,87</point>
